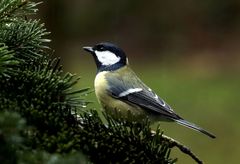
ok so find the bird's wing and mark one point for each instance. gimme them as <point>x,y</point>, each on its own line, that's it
<point>136,92</point>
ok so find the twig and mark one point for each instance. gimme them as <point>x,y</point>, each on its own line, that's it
<point>181,147</point>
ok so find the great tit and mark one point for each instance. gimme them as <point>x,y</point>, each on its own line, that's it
<point>117,87</point>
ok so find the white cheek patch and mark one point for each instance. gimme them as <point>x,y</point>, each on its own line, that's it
<point>107,57</point>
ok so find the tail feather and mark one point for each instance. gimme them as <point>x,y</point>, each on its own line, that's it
<point>194,127</point>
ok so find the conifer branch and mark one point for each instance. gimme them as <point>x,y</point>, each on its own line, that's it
<point>11,9</point>
<point>174,143</point>
<point>7,60</point>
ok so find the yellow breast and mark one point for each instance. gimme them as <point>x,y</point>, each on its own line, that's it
<point>100,85</point>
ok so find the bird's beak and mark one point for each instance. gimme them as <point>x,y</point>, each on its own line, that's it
<point>88,49</point>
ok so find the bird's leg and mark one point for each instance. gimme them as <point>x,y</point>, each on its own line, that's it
<point>174,143</point>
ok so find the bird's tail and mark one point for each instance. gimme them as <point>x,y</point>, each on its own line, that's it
<point>194,127</point>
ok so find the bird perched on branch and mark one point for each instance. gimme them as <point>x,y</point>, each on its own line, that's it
<point>117,87</point>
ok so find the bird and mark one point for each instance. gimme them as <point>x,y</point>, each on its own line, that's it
<point>117,87</point>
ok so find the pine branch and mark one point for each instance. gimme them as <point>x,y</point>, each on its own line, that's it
<point>12,9</point>
<point>120,141</point>
<point>25,38</point>
<point>7,60</point>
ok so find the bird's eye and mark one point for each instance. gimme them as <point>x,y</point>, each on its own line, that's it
<point>100,48</point>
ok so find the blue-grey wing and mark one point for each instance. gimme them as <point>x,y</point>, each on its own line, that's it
<point>136,92</point>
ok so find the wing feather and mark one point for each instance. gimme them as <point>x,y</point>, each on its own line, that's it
<point>146,101</point>
<point>145,98</point>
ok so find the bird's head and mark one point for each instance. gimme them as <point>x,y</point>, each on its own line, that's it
<point>108,57</point>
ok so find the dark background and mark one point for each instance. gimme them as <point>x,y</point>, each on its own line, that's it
<point>187,51</point>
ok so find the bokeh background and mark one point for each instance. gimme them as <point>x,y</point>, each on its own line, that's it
<point>187,51</point>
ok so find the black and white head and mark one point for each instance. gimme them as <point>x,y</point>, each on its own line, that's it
<point>108,57</point>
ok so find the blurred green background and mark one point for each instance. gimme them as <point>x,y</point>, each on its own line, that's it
<point>187,51</point>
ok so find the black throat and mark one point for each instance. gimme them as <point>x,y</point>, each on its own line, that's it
<point>113,67</point>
